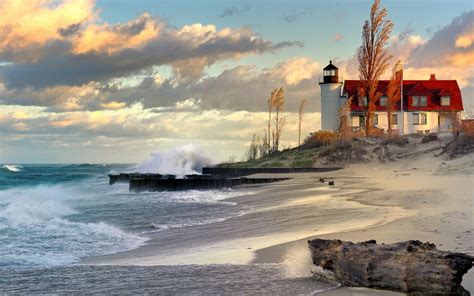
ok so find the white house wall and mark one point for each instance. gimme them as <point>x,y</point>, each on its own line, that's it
<point>410,128</point>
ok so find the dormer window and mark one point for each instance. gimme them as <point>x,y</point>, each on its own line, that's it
<point>445,100</point>
<point>383,101</point>
<point>419,101</point>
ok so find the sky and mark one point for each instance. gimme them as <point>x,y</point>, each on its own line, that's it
<point>112,81</point>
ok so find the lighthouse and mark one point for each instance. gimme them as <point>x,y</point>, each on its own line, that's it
<point>330,98</point>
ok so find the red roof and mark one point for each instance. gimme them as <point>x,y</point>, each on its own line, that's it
<point>432,89</point>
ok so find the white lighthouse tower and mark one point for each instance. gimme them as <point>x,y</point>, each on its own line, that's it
<point>330,98</point>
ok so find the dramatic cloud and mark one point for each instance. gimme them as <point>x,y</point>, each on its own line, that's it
<point>48,44</point>
<point>452,45</point>
<point>238,88</point>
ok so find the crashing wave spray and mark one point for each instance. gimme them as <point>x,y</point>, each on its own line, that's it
<point>12,167</point>
<point>180,161</point>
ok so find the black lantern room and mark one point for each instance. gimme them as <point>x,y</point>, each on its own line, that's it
<point>330,74</point>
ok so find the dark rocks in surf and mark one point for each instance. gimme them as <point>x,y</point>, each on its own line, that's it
<point>410,267</point>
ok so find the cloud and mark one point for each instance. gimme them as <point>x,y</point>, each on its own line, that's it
<point>27,23</point>
<point>115,134</point>
<point>69,42</point>
<point>452,40</point>
<point>234,11</point>
<point>292,17</point>
<point>239,88</point>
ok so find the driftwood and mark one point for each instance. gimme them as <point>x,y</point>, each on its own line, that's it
<point>410,267</point>
<point>459,145</point>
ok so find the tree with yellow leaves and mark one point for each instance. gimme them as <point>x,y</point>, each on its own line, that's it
<point>373,59</point>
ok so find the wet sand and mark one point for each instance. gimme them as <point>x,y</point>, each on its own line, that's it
<point>277,213</point>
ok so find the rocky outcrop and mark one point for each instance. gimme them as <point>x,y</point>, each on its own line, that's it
<point>411,267</point>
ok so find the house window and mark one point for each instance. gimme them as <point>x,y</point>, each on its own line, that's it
<point>363,101</point>
<point>419,118</point>
<point>423,101</point>
<point>445,100</point>
<point>394,119</point>
<point>376,119</point>
<point>419,101</point>
<point>358,120</point>
<point>383,101</point>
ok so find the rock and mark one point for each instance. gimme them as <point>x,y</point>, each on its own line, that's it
<point>321,180</point>
<point>410,267</point>
<point>331,183</point>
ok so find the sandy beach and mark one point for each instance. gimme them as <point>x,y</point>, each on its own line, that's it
<point>424,198</point>
<point>440,192</point>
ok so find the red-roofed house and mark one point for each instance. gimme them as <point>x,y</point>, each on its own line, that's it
<point>428,105</point>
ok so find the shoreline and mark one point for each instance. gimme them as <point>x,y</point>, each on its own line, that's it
<point>278,213</point>
<point>386,202</point>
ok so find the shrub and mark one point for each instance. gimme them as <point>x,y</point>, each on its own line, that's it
<point>273,164</point>
<point>302,163</point>
<point>468,127</point>
<point>319,139</point>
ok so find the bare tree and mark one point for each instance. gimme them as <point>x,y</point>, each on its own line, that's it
<point>278,104</point>
<point>252,153</point>
<point>373,58</point>
<point>300,118</point>
<point>393,92</point>
<point>271,100</point>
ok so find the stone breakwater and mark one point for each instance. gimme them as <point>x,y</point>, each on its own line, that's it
<point>212,178</point>
<point>237,172</point>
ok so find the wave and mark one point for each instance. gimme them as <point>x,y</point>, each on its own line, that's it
<point>13,167</point>
<point>180,161</point>
<point>162,227</point>
<point>38,230</point>
<point>191,196</point>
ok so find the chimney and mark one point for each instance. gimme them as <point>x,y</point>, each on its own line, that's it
<point>432,76</point>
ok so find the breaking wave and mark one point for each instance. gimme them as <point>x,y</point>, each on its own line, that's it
<point>37,230</point>
<point>180,161</point>
<point>13,167</point>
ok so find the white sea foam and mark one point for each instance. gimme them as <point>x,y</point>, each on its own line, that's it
<point>37,231</point>
<point>297,262</point>
<point>180,161</point>
<point>161,227</point>
<point>207,196</point>
<point>13,167</point>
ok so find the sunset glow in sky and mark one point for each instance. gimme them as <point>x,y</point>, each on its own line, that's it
<point>113,81</point>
